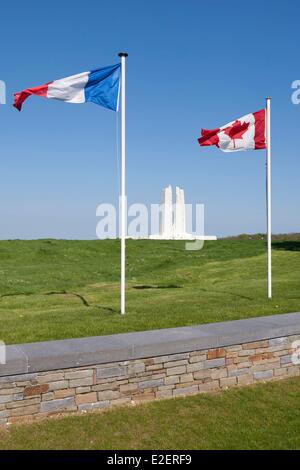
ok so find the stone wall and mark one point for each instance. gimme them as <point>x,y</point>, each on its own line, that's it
<point>99,386</point>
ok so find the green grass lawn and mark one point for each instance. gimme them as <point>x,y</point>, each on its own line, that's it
<point>265,416</point>
<point>54,289</point>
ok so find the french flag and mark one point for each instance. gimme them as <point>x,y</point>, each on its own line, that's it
<point>100,86</point>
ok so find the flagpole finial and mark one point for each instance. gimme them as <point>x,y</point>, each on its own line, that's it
<point>123,54</point>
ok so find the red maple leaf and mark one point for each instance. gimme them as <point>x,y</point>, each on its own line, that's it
<point>236,130</point>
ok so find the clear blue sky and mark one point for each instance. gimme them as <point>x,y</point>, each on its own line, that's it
<point>191,64</point>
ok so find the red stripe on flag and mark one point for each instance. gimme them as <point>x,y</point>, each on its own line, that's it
<point>260,129</point>
<point>20,97</point>
<point>209,137</point>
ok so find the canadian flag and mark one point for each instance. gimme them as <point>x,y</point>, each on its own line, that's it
<point>246,133</point>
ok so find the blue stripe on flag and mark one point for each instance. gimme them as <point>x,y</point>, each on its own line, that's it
<point>102,87</point>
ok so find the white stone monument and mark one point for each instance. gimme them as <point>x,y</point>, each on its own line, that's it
<point>179,227</point>
<point>166,214</point>
<point>169,230</point>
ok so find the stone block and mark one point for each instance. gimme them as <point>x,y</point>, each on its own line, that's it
<point>58,405</point>
<point>267,366</point>
<point>238,372</point>
<point>256,344</point>
<point>210,364</point>
<point>183,362</point>
<point>171,380</point>
<point>112,371</point>
<point>105,386</point>
<point>6,398</point>
<point>202,374</point>
<point>50,377</point>
<point>263,375</point>
<point>197,358</point>
<point>186,378</point>
<point>18,396</point>
<point>33,390</point>
<point>128,388</point>
<point>81,382</point>
<point>121,401</point>
<point>86,398</point>
<point>150,383</point>
<point>219,373</point>
<point>236,348</point>
<point>186,390</point>
<point>67,392</point>
<point>85,389</point>
<point>293,370</point>
<point>280,372</point>
<point>154,367</point>
<point>245,352</point>
<point>94,406</point>
<point>216,353</point>
<point>209,386</point>
<point>60,384</point>
<point>166,387</point>
<point>200,352</point>
<point>281,352</point>
<point>10,390</point>
<point>136,368</point>
<point>286,359</point>
<point>261,357</point>
<point>163,394</point>
<point>228,382</point>
<point>195,367</point>
<point>26,410</point>
<point>278,342</point>
<point>79,374</point>
<point>4,414</point>
<point>243,365</point>
<point>232,354</point>
<point>108,395</point>
<point>246,379</point>
<point>241,360</point>
<point>149,362</point>
<point>147,396</point>
<point>48,396</point>
<point>22,403</point>
<point>171,357</point>
<point>18,379</point>
<point>176,370</point>
<point>158,373</point>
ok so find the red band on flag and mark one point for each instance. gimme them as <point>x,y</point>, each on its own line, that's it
<point>260,129</point>
<point>20,97</point>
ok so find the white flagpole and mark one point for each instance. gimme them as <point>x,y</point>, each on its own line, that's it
<point>123,56</point>
<point>269,199</point>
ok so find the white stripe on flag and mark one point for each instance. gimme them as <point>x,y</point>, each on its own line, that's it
<point>226,144</point>
<point>70,89</point>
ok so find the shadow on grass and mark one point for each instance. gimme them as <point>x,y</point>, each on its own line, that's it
<point>167,286</point>
<point>83,300</point>
<point>226,292</point>
<point>108,309</point>
<point>287,245</point>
